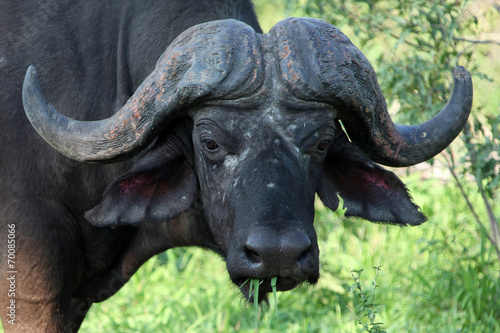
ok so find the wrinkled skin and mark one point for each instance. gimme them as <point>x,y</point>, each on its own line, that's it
<point>250,172</point>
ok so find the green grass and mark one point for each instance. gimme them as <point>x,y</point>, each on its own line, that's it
<point>441,276</point>
<point>438,277</point>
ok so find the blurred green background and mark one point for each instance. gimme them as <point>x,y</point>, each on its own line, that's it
<point>442,276</point>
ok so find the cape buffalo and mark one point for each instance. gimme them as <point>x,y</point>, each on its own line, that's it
<point>222,144</point>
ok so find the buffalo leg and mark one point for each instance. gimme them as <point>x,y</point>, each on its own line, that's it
<point>43,272</point>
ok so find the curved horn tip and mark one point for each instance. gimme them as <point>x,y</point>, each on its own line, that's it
<point>31,87</point>
<point>35,106</point>
<point>32,71</point>
<point>460,73</point>
<point>31,78</point>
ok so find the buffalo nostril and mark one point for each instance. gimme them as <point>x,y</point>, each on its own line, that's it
<point>252,255</point>
<point>300,246</point>
<point>275,249</point>
<point>304,254</point>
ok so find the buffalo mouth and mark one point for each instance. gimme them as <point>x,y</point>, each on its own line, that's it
<point>265,286</point>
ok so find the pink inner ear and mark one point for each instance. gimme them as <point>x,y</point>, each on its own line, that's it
<point>132,183</point>
<point>374,177</point>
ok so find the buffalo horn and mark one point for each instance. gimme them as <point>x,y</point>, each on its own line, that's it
<point>319,63</point>
<point>214,60</point>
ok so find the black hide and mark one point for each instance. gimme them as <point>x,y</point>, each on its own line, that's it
<point>91,56</point>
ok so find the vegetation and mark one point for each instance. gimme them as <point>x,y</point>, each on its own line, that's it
<point>442,276</point>
<point>439,277</point>
<point>367,303</point>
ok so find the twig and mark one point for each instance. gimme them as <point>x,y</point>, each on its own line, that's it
<point>494,237</point>
<point>359,320</point>
<point>475,41</point>
<point>493,223</point>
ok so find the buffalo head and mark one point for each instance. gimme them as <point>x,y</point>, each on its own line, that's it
<point>244,129</point>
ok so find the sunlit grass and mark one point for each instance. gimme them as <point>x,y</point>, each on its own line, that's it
<point>438,277</point>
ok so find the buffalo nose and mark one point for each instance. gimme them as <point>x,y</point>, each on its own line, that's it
<point>282,251</point>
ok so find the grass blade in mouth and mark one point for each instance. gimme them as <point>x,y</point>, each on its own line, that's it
<point>274,281</point>
<point>241,286</point>
<point>250,287</point>
<point>253,290</point>
<point>254,285</point>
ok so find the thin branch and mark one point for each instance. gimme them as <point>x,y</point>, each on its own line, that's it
<point>420,47</point>
<point>494,237</point>
<point>493,223</point>
<point>359,319</point>
<point>451,167</point>
<point>471,207</point>
<point>475,41</point>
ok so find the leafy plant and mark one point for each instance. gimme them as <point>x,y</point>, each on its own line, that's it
<point>367,303</point>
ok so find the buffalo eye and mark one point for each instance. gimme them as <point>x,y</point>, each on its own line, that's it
<point>210,145</point>
<point>323,146</point>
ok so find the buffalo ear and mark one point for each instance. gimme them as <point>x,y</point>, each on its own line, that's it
<point>368,190</point>
<point>160,187</point>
